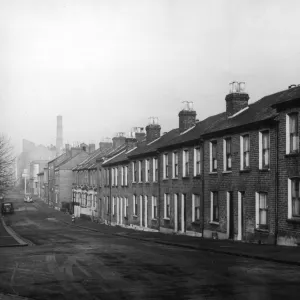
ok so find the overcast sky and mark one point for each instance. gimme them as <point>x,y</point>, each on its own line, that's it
<point>108,65</point>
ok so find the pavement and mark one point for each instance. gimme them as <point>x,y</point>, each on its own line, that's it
<point>279,254</point>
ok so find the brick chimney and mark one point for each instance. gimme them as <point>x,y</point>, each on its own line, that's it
<point>152,130</point>
<point>105,144</point>
<point>237,99</point>
<point>92,148</point>
<point>131,142</point>
<point>139,133</point>
<point>119,140</point>
<point>187,117</point>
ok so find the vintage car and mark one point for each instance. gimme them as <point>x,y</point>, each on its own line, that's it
<point>7,208</point>
<point>28,198</point>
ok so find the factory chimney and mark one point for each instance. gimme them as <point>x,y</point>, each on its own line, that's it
<point>59,136</point>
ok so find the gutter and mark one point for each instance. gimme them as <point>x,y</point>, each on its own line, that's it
<point>276,182</point>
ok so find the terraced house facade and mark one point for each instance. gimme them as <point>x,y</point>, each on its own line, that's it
<point>234,175</point>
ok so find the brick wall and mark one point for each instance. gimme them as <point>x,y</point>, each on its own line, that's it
<point>250,182</point>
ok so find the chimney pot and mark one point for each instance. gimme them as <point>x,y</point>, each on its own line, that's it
<point>237,99</point>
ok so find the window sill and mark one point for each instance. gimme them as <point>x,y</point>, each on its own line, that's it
<point>153,219</point>
<point>226,172</point>
<point>262,230</point>
<point>185,177</point>
<point>197,176</point>
<point>294,154</point>
<point>214,223</point>
<point>213,173</point>
<point>126,218</point>
<point>165,179</point>
<point>245,171</point>
<point>135,216</point>
<point>264,170</point>
<point>174,178</point>
<point>293,220</point>
<point>167,219</point>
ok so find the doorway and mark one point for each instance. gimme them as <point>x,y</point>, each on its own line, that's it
<point>230,216</point>
<point>182,225</point>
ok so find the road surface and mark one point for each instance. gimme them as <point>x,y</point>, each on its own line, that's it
<point>72,263</point>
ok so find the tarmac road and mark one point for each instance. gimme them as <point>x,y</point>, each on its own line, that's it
<point>72,263</point>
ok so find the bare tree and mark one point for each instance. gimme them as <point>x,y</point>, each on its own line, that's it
<point>7,167</point>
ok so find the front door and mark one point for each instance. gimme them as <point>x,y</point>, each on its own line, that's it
<point>176,217</point>
<point>141,211</point>
<point>231,215</point>
<point>182,213</point>
<point>241,215</point>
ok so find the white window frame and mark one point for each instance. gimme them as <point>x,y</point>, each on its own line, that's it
<point>212,207</point>
<point>133,171</point>
<point>184,151</point>
<point>126,208</point>
<point>290,200</point>
<point>257,224</point>
<point>122,174</point>
<point>167,198</point>
<point>113,206</point>
<point>210,157</point>
<point>196,149</point>
<point>225,166</point>
<point>194,206</point>
<point>147,168</point>
<point>174,154</point>
<point>126,175</point>
<point>154,201</point>
<point>155,162</point>
<point>165,160</point>
<point>288,139</point>
<point>261,149</point>
<point>140,170</point>
<point>116,174</point>
<point>112,176</point>
<point>134,198</point>
<point>242,137</point>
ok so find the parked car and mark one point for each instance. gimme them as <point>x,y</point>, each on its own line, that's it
<point>28,198</point>
<point>7,208</point>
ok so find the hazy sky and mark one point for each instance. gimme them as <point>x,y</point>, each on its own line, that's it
<point>108,65</point>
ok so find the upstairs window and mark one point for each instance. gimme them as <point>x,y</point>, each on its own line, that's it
<point>113,176</point>
<point>213,156</point>
<point>292,133</point>
<point>134,172</point>
<point>185,163</point>
<point>147,170</point>
<point>126,176</point>
<point>245,151</point>
<point>116,176</point>
<point>175,165</point>
<point>155,169</point>
<point>197,161</point>
<point>227,154</point>
<point>166,165</point>
<point>140,171</point>
<point>264,149</point>
<point>122,175</point>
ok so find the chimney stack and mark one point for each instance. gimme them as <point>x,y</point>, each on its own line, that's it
<point>237,99</point>
<point>59,135</point>
<point>105,144</point>
<point>92,147</point>
<point>139,133</point>
<point>187,117</point>
<point>152,130</point>
<point>119,140</point>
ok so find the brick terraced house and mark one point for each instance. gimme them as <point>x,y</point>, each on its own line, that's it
<point>234,175</point>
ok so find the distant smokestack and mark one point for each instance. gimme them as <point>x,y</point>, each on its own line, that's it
<point>59,135</point>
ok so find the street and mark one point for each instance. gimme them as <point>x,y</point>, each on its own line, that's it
<point>68,262</point>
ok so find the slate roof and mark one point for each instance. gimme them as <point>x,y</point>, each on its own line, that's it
<point>287,95</point>
<point>116,156</point>
<point>57,157</point>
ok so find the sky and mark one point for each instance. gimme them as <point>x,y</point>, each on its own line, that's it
<point>108,65</point>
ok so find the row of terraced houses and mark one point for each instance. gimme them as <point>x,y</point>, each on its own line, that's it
<point>234,175</point>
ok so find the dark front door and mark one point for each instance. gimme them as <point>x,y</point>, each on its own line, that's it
<point>231,216</point>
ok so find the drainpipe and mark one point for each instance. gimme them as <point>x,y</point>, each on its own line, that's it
<point>159,186</point>
<point>276,182</point>
<point>202,179</point>
<point>110,195</point>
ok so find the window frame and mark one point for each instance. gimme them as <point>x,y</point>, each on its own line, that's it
<point>212,159</point>
<point>134,206</point>
<point>262,165</point>
<point>165,165</point>
<point>197,163</point>
<point>141,171</point>
<point>185,163</point>
<point>147,170</point>
<point>242,152</point>
<point>258,210</point>
<point>167,206</point>
<point>227,156</point>
<point>134,175</point>
<point>175,166</point>
<point>154,208</point>
<point>291,214</point>
<point>289,134</point>
<point>214,212</point>
<point>195,208</point>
